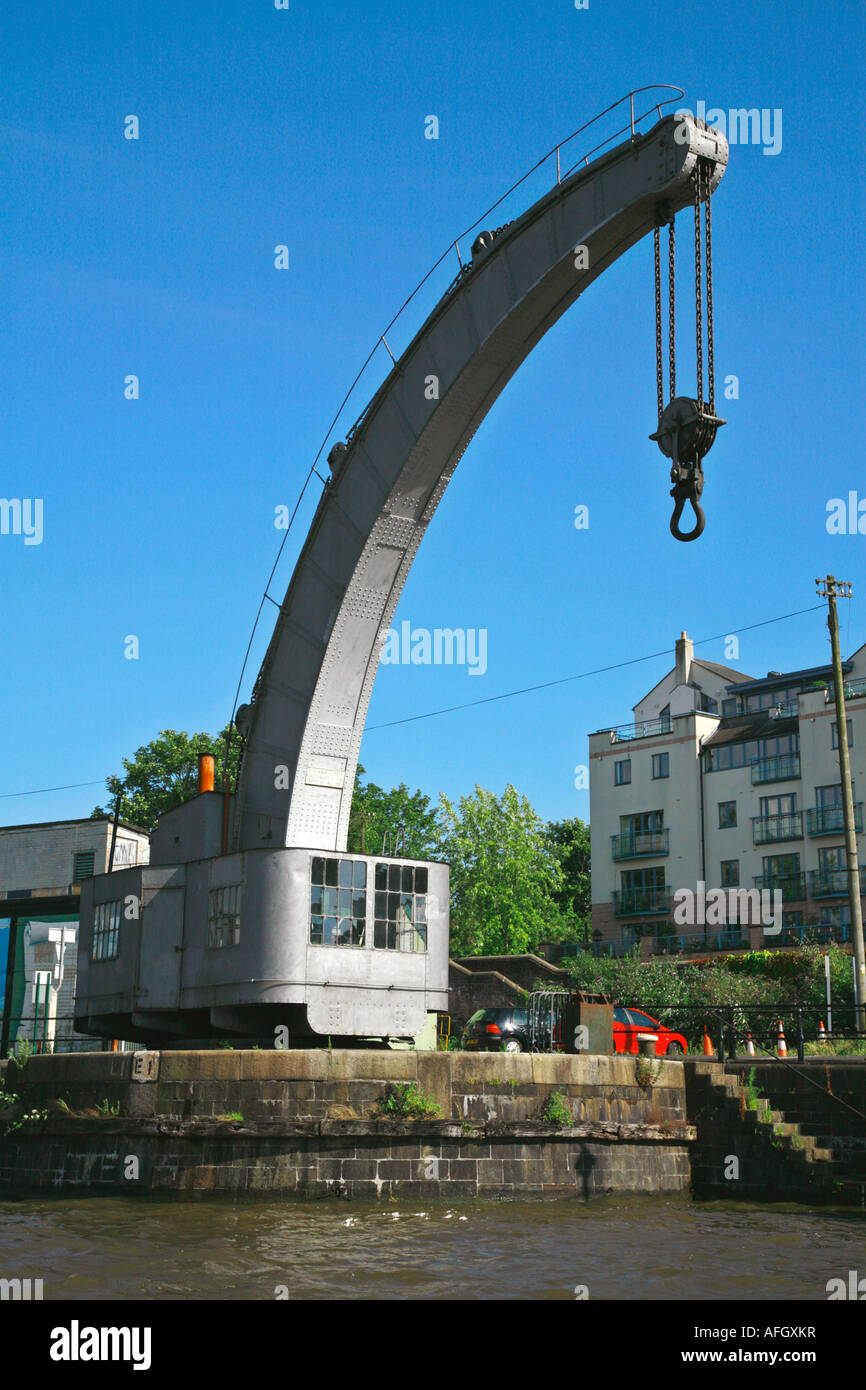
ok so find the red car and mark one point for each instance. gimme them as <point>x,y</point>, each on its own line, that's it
<point>628,1024</point>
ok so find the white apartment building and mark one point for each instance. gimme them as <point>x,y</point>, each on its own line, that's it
<point>732,782</point>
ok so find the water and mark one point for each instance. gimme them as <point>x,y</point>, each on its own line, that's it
<point>618,1247</point>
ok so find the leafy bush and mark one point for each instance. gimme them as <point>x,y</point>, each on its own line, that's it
<point>555,1110</point>
<point>403,1098</point>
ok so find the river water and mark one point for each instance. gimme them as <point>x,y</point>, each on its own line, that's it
<point>614,1247</point>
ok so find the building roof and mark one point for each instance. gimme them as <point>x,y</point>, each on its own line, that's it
<point>786,677</point>
<point>738,677</point>
<point>742,728</point>
<point>82,820</point>
<point>712,666</point>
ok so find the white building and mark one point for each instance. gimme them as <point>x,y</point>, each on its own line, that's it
<point>42,866</point>
<point>731,782</point>
<point>52,857</point>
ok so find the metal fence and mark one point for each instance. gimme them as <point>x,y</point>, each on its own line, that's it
<point>732,1027</point>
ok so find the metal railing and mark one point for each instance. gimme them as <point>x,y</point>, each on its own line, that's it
<point>768,830</point>
<point>337,431</point>
<point>788,710</point>
<point>671,945</point>
<point>649,728</point>
<point>791,886</point>
<point>779,768</point>
<point>638,846</point>
<point>641,900</point>
<point>453,249</point>
<point>830,820</point>
<point>729,1027</point>
<point>828,883</point>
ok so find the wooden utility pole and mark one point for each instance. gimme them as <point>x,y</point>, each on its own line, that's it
<point>830,589</point>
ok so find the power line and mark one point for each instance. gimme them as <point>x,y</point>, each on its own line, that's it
<point>506,695</point>
<point>583,675</point>
<point>41,790</point>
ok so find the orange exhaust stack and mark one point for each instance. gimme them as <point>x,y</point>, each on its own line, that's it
<point>205,773</point>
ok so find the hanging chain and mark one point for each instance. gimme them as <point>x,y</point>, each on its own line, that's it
<point>699,299</point>
<point>658,282</point>
<point>672,314</point>
<point>711,367</point>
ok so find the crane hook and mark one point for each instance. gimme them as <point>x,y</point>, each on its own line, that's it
<point>688,489</point>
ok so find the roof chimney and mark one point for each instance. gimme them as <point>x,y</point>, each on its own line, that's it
<point>685,650</point>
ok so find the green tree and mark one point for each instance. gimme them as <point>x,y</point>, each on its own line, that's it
<point>164,773</point>
<point>569,841</point>
<point>376,813</point>
<point>504,874</point>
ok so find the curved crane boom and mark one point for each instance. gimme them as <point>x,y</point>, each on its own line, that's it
<point>313,691</point>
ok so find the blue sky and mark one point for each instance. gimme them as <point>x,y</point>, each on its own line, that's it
<point>305,127</point>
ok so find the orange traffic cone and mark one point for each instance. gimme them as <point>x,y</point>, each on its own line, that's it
<point>781,1045</point>
<point>708,1046</point>
<point>822,1032</point>
<point>750,1047</point>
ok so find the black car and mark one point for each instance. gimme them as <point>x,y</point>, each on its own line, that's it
<point>497,1030</point>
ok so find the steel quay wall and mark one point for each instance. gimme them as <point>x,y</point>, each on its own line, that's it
<point>312,1126</point>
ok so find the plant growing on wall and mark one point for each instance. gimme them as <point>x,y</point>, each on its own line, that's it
<point>555,1110</point>
<point>404,1099</point>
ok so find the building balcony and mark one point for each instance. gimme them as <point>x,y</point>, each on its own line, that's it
<point>768,830</point>
<point>780,768</point>
<point>636,846</point>
<point>650,728</point>
<point>828,883</point>
<point>791,886</point>
<point>635,902</point>
<point>830,820</point>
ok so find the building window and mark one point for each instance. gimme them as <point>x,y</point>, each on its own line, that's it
<point>661,764</point>
<point>781,866</point>
<point>832,860</point>
<point>829,798</point>
<point>622,772</point>
<point>401,908</point>
<point>338,902</point>
<point>224,916</point>
<point>642,823</point>
<point>727,814</point>
<point>783,805</point>
<point>730,755</point>
<point>82,864</point>
<point>105,937</point>
<point>850,734</point>
<point>730,873</point>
